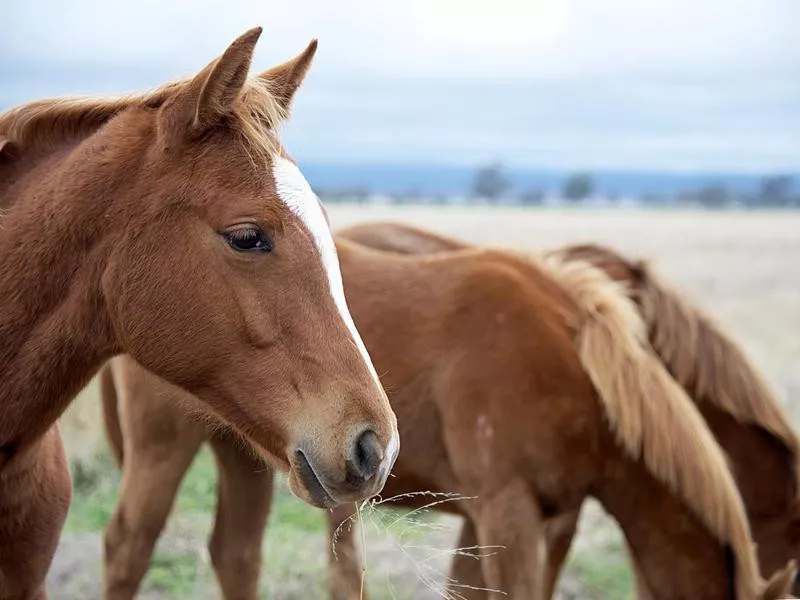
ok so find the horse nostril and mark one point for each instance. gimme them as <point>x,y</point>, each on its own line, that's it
<point>368,455</point>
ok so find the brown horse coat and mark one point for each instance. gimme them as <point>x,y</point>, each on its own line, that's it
<point>171,226</point>
<point>506,371</point>
<point>742,411</point>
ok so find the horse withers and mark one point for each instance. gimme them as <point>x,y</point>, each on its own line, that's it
<point>172,226</point>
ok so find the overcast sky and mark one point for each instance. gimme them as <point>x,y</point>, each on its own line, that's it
<point>651,84</point>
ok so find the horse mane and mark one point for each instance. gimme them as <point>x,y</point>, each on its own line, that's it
<point>256,115</point>
<point>650,414</point>
<point>709,365</point>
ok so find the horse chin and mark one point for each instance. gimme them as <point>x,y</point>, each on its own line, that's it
<point>304,483</point>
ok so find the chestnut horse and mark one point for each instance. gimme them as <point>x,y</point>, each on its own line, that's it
<point>523,383</point>
<point>741,409</point>
<point>172,227</point>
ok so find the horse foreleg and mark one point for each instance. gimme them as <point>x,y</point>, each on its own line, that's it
<point>511,532</point>
<point>243,506</point>
<point>344,562</point>
<point>559,531</point>
<point>152,472</point>
<point>35,492</point>
<point>642,591</point>
<point>466,579</point>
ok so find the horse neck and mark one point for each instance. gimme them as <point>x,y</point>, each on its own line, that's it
<point>762,465</point>
<point>54,329</point>
<point>673,558</point>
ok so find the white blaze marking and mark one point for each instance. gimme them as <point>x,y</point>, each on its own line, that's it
<point>392,450</point>
<point>295,192</point>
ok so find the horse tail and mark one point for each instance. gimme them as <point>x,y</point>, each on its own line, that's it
<point>650,414</point>
<point>108,396</point>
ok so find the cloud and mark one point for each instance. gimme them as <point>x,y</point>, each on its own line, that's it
<point>647,83</point>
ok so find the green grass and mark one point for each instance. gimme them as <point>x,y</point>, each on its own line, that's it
<point>604,575</point>
<point>288,512</point>
<point>94,496</point>
<point>96,486</point>
<point>295,552</point>
<point>600,562</point>
<point>174,573</point>
<point>198,492</point>
<point>181,573</point>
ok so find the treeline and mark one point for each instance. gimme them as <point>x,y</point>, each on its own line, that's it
<point>492,185</point>
<point>491,182</point>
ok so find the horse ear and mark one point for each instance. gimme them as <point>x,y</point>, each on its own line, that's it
<point>284,79</point>
<point>210,95</point>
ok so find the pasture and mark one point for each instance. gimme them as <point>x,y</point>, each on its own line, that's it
<point>741,266</point>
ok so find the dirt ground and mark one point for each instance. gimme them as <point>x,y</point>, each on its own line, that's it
<point>741,266</point>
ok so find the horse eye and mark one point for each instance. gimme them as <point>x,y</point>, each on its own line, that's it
<point>248,239</point>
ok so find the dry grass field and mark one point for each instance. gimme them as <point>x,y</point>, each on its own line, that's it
<point>742,266</point>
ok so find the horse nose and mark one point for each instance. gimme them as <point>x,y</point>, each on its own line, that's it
<point>367,455</point>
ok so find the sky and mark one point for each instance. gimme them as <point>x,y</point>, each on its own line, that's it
<point>683,85</point>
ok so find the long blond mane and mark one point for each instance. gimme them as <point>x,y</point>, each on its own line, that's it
<point>709,365</point>
<point>698,353</point>
<point>256,116</point>
<point>652,417</point>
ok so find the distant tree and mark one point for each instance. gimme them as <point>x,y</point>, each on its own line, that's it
<point>412,196</point>
<point>532,197</point>
<point>686,197</point>
<point>357,194</point>
<point>713,196</point>
<point>776,190</point>
<point>490,182</point>
<point>361,194</point>
<point>748,199</point>
<point>578,186</point>
<point>653,198</point>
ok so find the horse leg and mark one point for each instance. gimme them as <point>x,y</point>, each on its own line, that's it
<point>511,521</point>
<point>559,531</point>
<point>160,443</point>
<point>150,482</point>
<point>343,559</point>
<point>35,492</point>
<point>466,579</point>
<point>243,505</point>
